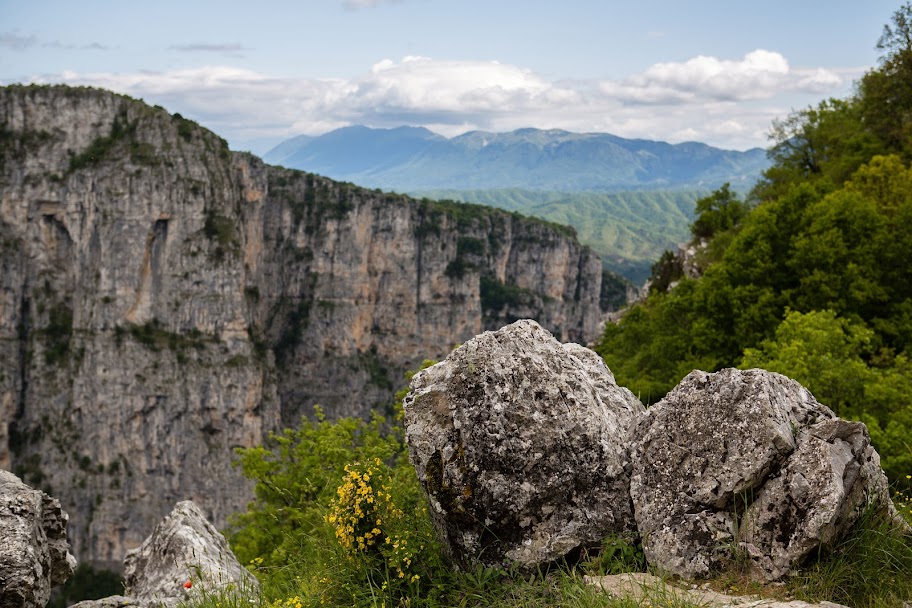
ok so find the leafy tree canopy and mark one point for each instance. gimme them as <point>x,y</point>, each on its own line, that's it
<point>811,277</point>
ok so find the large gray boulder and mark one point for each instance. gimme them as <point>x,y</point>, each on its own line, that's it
<point>816,497</point>
<point>519,444</point>
<point>747,461</point>
<point>34,552</point>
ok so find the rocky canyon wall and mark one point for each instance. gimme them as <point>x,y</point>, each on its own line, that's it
<point>164,300</point>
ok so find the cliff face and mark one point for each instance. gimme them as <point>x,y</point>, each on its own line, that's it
<point>163,300</point>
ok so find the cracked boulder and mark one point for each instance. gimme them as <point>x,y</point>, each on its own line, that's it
<point>184,559</point>
<point>34,552</point>
<point>519,443</point>
<point>747,461</point>
<point>184,547</point>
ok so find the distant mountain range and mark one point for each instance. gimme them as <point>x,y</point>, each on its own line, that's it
<point>411,158</point>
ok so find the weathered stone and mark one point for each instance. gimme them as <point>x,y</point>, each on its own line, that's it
<point>647,588</point>
<point>518,442</point>
<point>747,457</point>
<point>114,601</point>
<point>823,489</point>
<point>184,547</point>
<point>34,553</point>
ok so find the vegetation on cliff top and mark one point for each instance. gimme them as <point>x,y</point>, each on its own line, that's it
<point>812,281</point>
<point>627,229</point>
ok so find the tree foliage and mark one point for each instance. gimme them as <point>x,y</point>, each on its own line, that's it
<point>814,278</point>
<point>720,211</point>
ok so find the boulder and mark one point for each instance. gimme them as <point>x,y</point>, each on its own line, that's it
<point>519,444</point>
<point>34,552</point>
<point>183,547</point>
<point>747,461</point>
<point>819,494</point>
<point>184,558</point>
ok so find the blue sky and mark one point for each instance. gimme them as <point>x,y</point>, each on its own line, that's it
<point>260,72</point>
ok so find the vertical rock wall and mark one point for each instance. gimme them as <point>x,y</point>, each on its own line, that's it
<point>163,300</point>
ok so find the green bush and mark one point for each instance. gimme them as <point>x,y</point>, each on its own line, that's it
<point>58,333</point>
<point>338,514</point>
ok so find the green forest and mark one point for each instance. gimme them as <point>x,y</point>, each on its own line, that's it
<point>811,274</point>
<point>628,229</point>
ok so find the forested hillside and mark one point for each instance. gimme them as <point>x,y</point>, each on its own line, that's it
<point>629,230</point>
<point>814,281</point>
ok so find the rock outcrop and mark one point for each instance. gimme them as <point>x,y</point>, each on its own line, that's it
<point>185,558</point>
<point>519,444</point>
<point>183,547</point>
<point>164,300</point>
<point>747,460</point>
<point>652,590</point>
<point>34,553</point>
<point>527,450</point>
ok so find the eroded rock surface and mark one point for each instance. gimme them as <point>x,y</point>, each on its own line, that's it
<point>183,547</point>
<point>747,459</point>
<point>518,442</point>
<point>816,498</point>
<point>34,553</point>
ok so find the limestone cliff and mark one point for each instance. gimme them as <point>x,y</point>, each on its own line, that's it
<point>163,300</point>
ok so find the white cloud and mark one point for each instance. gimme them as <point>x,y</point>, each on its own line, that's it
<point>728,103</point>
<point>758,75</point>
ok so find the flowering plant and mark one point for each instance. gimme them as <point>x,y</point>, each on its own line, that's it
<point>369,524</point>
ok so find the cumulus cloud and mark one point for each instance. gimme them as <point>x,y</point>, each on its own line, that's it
<point>728,103</point>
<point>760,74</point>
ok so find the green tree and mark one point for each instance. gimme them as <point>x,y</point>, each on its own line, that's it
<point>888,414</point>
<point>885,94</point>
<point>823,144</point>
<point>897,38</point>
<point>821,351</point>
<point>720,211</point>
<point>666,271</point>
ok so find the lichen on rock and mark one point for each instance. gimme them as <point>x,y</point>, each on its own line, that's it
<point>747,461</point>
<point>519,443</point>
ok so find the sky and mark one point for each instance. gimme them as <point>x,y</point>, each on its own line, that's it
<point>258,73</point>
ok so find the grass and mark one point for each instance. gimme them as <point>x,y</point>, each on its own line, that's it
<point>483,587</point>
<point>871,568</point>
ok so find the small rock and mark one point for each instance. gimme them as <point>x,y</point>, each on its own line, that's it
<point>34,552</point>
<point>644,587</point>
<point>183,547</point>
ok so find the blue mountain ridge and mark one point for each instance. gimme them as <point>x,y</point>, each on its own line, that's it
<point>414,158</point>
